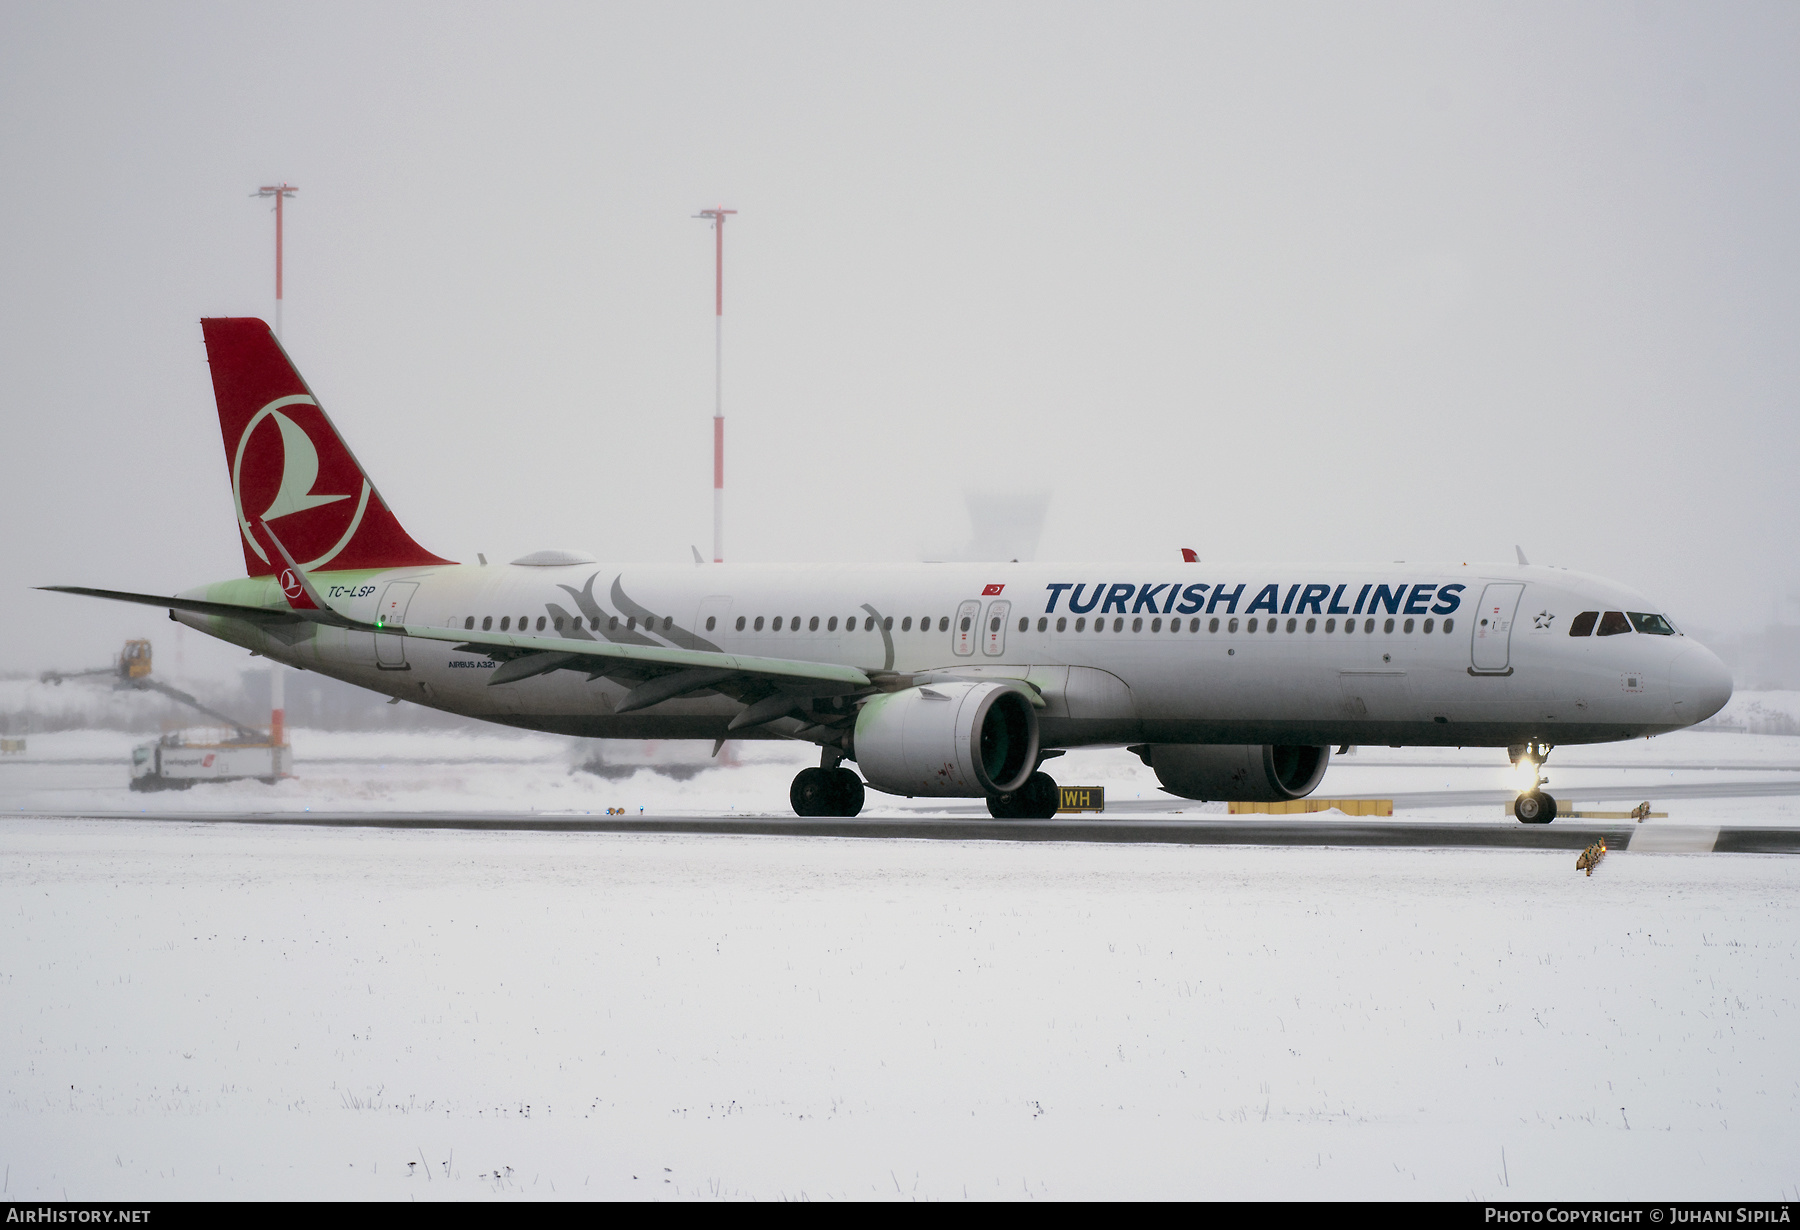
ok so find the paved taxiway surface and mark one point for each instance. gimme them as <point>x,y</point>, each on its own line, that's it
<point>1236,831</point>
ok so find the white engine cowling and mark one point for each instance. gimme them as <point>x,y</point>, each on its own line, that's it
<point>961,740</point>
<point>1257,773</point>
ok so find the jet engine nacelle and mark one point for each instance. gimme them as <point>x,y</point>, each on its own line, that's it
<point>1257,773</point>
<point>962,740</point>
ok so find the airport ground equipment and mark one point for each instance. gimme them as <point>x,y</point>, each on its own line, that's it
<point>180,758</point>
<point>177,761</point>
<point>131,673</point>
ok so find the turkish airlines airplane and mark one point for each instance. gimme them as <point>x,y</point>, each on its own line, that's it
<point>943,680</point>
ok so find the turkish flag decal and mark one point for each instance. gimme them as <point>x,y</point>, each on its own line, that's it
<point>992,590</point>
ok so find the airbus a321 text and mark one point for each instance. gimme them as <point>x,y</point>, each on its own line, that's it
<point>951,680</point>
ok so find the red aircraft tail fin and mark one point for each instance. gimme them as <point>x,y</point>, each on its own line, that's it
<point>289,466</point>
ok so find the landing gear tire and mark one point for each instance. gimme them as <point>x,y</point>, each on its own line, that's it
<point>849,793</point>
<point>1037,799</point>
<point>826,792</point>
<point>1535,807</point>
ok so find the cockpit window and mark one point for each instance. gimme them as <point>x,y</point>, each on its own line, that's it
<point>1583,624</point>
<point>1614,622</point>
<point>1655,625</point>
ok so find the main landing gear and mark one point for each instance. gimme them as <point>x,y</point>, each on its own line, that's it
<point>1533,806</point>
<point>1037,799</point>
<point>829,790</point>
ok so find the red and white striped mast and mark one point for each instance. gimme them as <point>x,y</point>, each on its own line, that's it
<point>277,705</point>
<point>717,217</point>
<point>280,192</point>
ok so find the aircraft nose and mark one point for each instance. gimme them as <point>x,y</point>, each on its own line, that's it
<point>1699,684</point>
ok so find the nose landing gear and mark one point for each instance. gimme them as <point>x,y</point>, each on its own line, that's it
<point>1534,805</point>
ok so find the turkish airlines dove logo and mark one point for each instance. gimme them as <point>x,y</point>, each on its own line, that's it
<point>314,539</point>
<point>299,471</point>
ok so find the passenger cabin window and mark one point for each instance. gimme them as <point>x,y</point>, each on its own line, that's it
<point>831,624</point>
<point>1583,624</point>
<point>505,622</point>
<point>943,623</point>
<point>710,621</point>
<point>469,624</point>
<point>740,623</point>
<point>906,624</point>
<point>757,626</point>
<point>1614,622</point>
<point>1655,625</point>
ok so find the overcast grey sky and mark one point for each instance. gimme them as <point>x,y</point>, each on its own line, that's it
<point>1281,282</point>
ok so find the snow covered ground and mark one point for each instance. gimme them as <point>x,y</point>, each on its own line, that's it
<point>197,1011</point>
<point>194,1011</point>
<point>506,771</point>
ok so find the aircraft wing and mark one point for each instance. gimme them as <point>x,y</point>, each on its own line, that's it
<point>661,668</point>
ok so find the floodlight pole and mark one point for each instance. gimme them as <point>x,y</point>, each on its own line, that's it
<point>280,192</point>
<point>717,217</point>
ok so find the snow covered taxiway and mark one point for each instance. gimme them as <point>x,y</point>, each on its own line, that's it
<point>196,1011</point>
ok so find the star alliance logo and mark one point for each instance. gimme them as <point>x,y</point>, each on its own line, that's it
<point>1542,621</point>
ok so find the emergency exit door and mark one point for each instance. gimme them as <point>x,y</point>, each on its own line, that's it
<point>965,632</point>
<point>993,629</point>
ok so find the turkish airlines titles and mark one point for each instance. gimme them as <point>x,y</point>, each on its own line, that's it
<point>1128,599</point>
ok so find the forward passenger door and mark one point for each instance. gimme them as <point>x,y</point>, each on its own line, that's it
<point>1491,648</point>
